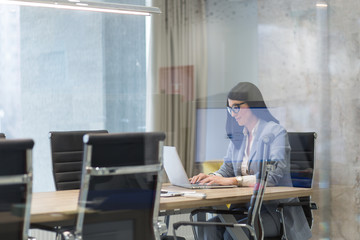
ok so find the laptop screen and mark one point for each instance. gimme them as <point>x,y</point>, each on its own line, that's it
<point>174,168</point>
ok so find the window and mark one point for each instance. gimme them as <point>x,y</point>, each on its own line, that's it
<point>69,70</point>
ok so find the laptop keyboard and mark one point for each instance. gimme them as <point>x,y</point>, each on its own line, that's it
<point>198,185</point>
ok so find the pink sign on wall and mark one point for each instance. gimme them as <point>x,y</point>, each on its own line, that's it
<point>177,80</point>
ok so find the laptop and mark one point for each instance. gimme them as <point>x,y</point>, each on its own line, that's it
<point>176,172</point>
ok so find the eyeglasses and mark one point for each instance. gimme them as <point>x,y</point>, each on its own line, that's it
<point>235,108</point>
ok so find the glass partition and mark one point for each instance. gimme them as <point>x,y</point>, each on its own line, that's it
<point>75,70</point>
<point>303,56</point>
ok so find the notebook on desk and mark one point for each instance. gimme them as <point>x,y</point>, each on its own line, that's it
<point>176,172</point>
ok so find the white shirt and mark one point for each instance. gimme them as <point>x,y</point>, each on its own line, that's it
<point>248,180</point>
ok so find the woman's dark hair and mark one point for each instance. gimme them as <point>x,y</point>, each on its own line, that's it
<point>249,93</point>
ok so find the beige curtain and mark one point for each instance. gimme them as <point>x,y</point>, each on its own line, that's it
<point>178,73</point>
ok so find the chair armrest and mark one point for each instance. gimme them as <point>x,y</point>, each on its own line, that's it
<point>204,210</point>
<point>187,223</point>
<point>204,224</point>
<point>312,205</point>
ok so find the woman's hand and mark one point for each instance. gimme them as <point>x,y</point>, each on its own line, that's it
<point>198,178</point>
<point>212,179</point>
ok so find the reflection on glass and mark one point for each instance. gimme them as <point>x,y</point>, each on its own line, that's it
<point>69,70</point>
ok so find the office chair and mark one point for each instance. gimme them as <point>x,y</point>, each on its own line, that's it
<point>302,159</point>
<point>2,135</point>
<point>120,188</point>
<point>15,188</point>
<point>67,156</point>
<point>253,224</point>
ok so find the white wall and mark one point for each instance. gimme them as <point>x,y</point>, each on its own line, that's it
<point>232,43</point>
<point>232,58</point>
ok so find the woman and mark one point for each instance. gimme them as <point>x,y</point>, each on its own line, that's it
<point>248,122</point>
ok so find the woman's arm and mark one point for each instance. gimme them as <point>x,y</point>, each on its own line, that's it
<point>227,168</point>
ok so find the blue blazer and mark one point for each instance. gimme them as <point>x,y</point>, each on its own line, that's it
<point>297,227</point>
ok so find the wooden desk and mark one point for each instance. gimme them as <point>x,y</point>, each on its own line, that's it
<point>222,196</point>
<point>62,205</point>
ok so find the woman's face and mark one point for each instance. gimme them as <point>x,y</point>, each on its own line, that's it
<point>244,116</point>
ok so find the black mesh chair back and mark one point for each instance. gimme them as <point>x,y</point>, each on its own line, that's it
<point>67,155</point>
<point>2,135</point>
<point>302,158</point>
<point>15,188</point>
<point>120,190</point>
<point>302,161</point>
